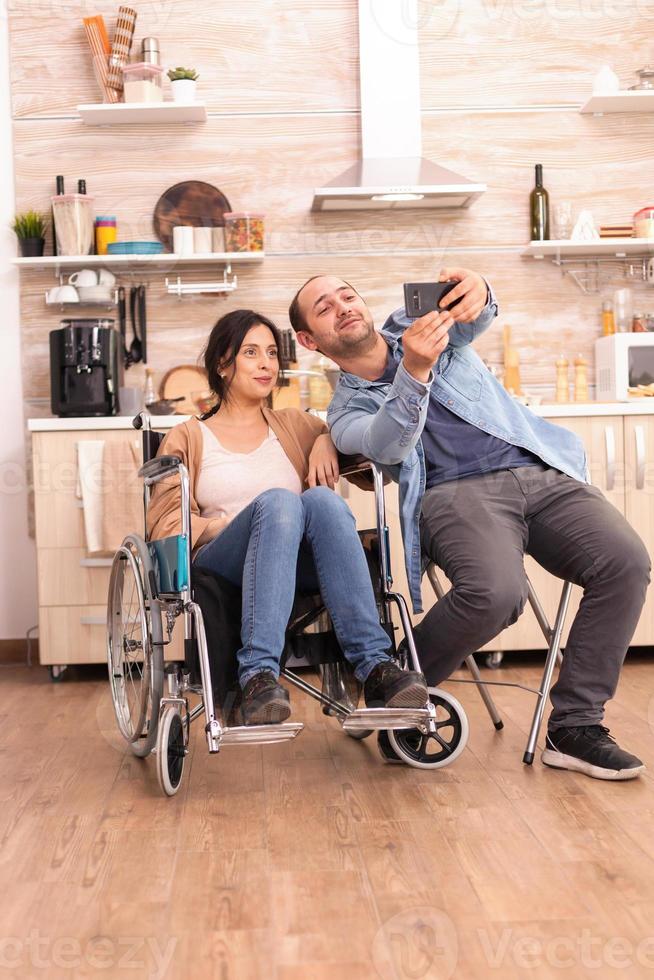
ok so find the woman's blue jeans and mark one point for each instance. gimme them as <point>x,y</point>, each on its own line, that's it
<point>280,542</point>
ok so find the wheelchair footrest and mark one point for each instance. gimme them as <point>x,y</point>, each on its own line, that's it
<point>247,734</point>
<point>373,719</point>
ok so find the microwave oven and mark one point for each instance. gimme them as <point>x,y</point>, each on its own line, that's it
<point>623,361</point>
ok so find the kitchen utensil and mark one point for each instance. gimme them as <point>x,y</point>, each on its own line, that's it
<point>84,277</point>
<point>202,239</point>
<point>73,218</point>
<point>62,294</point>
<point>135,248</point>
<point>150,51</point>
<point>135,348</point>
<point>142,323</point>
<point>192,202</point>
<point>122,321</point>
<point>121,46</point>
<point>183,240</point>
<point>98,41</point>
<point>562,219</point>
<point>167,406</point>
<point>581,379</point>
<point>622,309</point>
<point>130,401</point>
<point>181,381</point>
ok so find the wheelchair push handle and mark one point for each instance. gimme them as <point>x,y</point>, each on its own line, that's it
<point>159,467</point>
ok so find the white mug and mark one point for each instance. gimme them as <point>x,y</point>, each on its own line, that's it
<point>650,272</point>
<point>85,277</point>
<point>202,239</point>
<point>62,294</point>
<point>106,278</point>
<point>183,240</point>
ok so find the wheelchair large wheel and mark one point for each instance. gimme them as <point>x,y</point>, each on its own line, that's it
<point>171,750</point>
<point>439,748</point>
<point>134,646</point>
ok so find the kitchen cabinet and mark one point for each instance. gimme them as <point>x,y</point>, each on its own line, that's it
<point>639,502</point>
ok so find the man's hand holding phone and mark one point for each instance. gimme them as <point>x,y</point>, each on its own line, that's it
<point>424,342</point>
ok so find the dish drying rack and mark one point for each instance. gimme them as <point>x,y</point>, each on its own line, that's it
<point>177,287</point>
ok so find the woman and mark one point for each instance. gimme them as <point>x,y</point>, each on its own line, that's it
<point>260,520</point>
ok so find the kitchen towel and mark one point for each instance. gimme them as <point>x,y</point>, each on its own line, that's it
<point>122,497</point>
<point>89,490</point>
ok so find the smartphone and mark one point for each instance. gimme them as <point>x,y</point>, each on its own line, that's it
<point>424,297</point>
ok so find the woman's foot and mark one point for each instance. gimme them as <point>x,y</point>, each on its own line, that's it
<point>265,702</point>
<point>388,686</point>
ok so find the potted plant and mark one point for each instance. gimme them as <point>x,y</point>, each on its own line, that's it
<point>29,229</point>
<point>182,82</point>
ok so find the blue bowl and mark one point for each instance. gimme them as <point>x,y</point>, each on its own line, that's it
<point>135,248</point>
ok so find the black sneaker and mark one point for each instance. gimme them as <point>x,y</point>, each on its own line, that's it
<point>388,686</point>
<point>265,702</point>
<point>590,749</point>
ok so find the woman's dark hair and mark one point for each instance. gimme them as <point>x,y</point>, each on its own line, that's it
<point>224,343</point>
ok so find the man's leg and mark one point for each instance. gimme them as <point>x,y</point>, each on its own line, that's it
<point>475,530</point>
<point>575,533</point>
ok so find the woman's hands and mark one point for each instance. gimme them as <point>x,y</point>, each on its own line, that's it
<point>323,463</point>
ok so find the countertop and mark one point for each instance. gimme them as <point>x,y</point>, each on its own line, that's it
<point>640,406</point>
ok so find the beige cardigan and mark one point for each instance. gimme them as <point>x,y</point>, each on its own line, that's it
<point>297,431</point>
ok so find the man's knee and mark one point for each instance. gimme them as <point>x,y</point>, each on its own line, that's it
<point>628,560</point>
<point>496,598</point>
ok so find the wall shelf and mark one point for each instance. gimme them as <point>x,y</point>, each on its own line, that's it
<point>617,248</point>
<point>141,113</point>
<point>641,100</point>
<point>165,260</point>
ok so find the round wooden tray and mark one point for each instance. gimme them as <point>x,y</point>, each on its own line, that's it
<point>192,202</point>
<point>182,380</point>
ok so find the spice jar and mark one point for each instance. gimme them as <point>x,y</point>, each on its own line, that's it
<point>638,324</point>
<point>105,233</point>
<point>142,82</point>
<point>243,231</point>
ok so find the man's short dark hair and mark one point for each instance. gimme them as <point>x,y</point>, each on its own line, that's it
<point>295,315</point>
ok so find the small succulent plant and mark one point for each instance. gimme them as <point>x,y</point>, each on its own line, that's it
<point>30,224</point>
<point>177,74</point>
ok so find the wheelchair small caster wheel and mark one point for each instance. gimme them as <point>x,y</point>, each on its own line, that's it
<point>439,747</point>
<point>171,750</point>
<point>494,660</point>
<point>57,672</point>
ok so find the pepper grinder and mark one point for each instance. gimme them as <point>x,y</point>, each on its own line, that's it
<point>581,379</point>
<point>562,392</point>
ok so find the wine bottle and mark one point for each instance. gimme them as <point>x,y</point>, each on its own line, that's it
<point>81,187</point>
<point>539,209</point>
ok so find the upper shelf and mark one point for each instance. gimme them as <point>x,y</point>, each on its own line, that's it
<point>641,100</point>
<point>143,113</point>
<point>618,247</point>
<point>164,259</point>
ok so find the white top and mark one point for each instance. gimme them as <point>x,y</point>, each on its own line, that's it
<point>229,481</point>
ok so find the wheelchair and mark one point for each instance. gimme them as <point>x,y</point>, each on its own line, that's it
<point>151,586</point>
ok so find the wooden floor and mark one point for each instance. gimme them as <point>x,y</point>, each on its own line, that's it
<point>312,860</point>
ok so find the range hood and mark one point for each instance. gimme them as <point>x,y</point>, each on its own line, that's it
<point>392,173</point>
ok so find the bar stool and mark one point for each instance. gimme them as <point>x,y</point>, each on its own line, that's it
<point>552,634</point>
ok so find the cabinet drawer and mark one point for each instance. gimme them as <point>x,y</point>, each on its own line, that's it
<point>68,577</point>
<point>78,635</point>
<point>59,518</point>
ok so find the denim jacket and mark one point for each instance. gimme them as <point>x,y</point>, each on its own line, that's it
<point>385,421</point>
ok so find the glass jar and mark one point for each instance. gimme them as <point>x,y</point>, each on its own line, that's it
<point>142,82</point>
<point>608,320</point>
<point>243,231</point>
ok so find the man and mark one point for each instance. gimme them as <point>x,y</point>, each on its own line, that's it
<point>482,482</point>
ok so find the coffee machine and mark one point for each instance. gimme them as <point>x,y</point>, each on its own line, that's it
<point>84,368</point>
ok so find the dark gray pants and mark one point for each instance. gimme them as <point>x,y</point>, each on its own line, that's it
<point>478,530</point>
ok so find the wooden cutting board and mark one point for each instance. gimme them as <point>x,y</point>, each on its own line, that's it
<point>193,202</point>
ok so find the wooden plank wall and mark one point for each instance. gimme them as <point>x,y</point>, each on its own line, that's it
<point>501,84</point>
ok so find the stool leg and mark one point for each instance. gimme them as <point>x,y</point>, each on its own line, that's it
<point>439,592</point>
<point>491,707</point>
<point>553,654</point>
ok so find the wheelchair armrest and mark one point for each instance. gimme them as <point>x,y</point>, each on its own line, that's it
<point>357,469</point>
<point>159,467</point>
